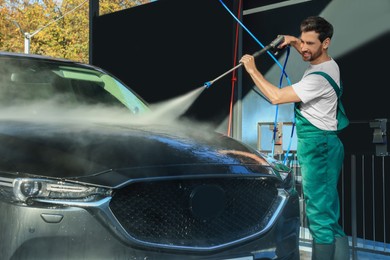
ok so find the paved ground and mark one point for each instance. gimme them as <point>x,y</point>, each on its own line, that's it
<point>305,253</point>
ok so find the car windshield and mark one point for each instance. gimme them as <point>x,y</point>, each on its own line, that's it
<point>25,82</point>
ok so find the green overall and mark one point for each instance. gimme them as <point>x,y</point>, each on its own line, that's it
<point>320,155</point>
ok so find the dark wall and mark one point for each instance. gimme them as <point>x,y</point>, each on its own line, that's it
<point>365,93</point>
<point>365,73</point>
<point>169,47</point>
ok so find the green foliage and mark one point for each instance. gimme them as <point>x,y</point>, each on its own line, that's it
<point>58,28</point>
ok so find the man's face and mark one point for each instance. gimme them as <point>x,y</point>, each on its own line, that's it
<point>311,47</point>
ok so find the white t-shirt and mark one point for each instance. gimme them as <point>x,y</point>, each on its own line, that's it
<point>319,100</point>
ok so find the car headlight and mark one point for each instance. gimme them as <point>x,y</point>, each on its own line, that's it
<point>30,188</point>
<point>288,179</point>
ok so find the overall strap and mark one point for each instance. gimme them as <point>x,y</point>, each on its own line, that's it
<point>339,90</point>
<point>341,116</point>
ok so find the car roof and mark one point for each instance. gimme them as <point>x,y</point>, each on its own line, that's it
<point>36,56</point>
<point>45,58</point>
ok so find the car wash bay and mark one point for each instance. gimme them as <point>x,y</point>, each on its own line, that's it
<point>168,48</point>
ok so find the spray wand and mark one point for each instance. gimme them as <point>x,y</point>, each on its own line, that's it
<point>270,46</point>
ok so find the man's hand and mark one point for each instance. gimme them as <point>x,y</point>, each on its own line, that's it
<point>290,40</point>
<point>249,63</point>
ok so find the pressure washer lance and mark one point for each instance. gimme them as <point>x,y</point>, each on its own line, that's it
<point>275,43</point>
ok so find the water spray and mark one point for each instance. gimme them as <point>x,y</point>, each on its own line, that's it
<point>272,46</point>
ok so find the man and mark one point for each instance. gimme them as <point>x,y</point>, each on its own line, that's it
<point>320,151</point>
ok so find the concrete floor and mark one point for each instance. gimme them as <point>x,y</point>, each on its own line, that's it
<point>305,254</point>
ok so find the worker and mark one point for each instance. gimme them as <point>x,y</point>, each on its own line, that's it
<point>320,151</point>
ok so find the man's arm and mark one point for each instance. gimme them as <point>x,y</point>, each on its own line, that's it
<point>292,41</point>
<point>274,94</point>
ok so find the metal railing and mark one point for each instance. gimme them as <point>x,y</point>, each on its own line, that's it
<point>364,203</point>
<point>364,200</point>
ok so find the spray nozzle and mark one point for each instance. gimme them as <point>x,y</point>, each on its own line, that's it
<point>207,84</point>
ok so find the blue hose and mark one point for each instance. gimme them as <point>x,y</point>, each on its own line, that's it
<point>280,82</point>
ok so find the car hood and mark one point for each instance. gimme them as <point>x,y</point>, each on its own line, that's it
<point>75,150</point>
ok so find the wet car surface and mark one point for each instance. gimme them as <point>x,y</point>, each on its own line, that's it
<point>85,175</point>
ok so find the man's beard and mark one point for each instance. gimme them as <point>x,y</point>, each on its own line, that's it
<point>310,56</point>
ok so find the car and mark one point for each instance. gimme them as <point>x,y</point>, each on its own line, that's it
<point>84,174</point>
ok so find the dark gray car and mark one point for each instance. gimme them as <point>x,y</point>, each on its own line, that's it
<point>84,175</point>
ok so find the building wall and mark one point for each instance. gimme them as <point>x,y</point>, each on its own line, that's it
<point>169,47</point>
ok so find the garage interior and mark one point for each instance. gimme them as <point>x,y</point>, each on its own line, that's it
<point>168,48</point>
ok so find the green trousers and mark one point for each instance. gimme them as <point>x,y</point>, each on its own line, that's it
<point>321,155</point>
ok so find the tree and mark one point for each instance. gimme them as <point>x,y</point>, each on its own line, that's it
<point>58,28</point>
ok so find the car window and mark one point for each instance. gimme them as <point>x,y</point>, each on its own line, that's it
<point>28,81</point>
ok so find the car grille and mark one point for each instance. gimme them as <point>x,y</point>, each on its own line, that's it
<point>195,212</point>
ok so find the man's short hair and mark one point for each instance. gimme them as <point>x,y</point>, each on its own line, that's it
<point>319,25</point>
